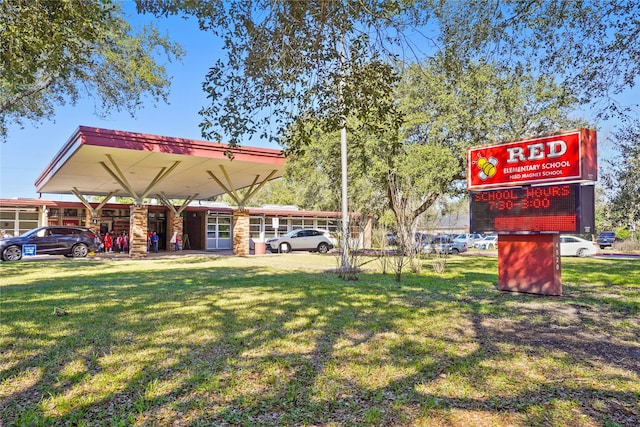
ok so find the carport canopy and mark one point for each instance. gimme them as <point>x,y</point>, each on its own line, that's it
<point>104,162</point>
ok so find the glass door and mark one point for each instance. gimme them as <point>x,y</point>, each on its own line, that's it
<point>219,232</point>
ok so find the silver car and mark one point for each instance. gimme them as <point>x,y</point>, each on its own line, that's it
<point>468,238</point>
<point>305,239</point>
<point>444,244</point>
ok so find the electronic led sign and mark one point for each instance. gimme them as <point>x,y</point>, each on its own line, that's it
<point>564,208</point>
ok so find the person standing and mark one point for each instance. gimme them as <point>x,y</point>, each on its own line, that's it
<point>120,241</point>
<point>154,241</point>
<point>175,240</point>
<point>108,242</point>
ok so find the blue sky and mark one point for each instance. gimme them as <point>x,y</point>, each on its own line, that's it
<point>28,151</point>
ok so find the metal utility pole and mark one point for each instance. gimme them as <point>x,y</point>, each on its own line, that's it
<point>343,155</point>
<point>345,205</point>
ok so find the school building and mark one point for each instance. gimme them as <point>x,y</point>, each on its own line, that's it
<point>169,180</point>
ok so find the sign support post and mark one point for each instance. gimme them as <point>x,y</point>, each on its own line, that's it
<point>530,263</point>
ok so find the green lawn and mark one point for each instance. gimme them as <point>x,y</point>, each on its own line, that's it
<point>278,340</point>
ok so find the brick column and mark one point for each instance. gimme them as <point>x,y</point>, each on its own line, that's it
<point>175,225</point>
<point>89,220</point>
<point>138,231</point>
<point>241,232</point>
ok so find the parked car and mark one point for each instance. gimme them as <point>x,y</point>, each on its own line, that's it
<point>468,238</point>
<point>444,244</point>
<point>487,242</point>
<point>576,246</point>
<point>51,240</point>
<point>606,239</point>
<point>421,238</point>
<point>305,239</point>
<point>391,239</point>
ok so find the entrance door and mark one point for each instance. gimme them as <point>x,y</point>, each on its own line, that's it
<point>105,226</point>
<point>157,222</point>
<point>219,232</point>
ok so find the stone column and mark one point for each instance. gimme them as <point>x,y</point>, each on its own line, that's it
<point>175,226</point>
<point>138,231</point>
<point>92,222</point>
<point>241,232</point>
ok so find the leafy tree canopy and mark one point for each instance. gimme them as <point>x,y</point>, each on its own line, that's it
<point>411,165</point>
<point>591,47</point>
<point>288,60</point>
<point>53,52</point>
<point>622,177</point>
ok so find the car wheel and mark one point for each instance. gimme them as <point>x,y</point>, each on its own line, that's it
<point>602,247</point>
<point>582,252</point>
<point>12,253</point>
<point>80,250</point>
<point>490,246</point>
<point>285,247</point>
<point>455,251</point>
<point>323,248</point>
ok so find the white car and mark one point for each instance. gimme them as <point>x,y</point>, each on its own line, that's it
<point>305,239</point>
<point>488,242</point>
<point>468,238</point>
<point>575,246</point>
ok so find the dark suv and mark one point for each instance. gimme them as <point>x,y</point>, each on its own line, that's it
<point>606,239</point>
<point>52,240</point>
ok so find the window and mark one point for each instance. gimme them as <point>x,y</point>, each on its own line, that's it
<point>219,227</point>
<point>255,227</point>
<point>327,224</point>
<point>62,231</point>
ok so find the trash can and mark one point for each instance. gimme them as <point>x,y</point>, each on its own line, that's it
<point>259,247</point>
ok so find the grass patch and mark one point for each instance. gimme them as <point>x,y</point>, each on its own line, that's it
<point>276,340</point>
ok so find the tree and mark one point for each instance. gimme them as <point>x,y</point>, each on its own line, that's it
<point>54,52</point>
<point>622,177</point>
<point>294,69</point>
<point>285,60</point>
<point>444,116</point>
<point>411,166</point>
<point>592,48</point>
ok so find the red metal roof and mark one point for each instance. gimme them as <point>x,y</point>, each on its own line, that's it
<point>83,161</point>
